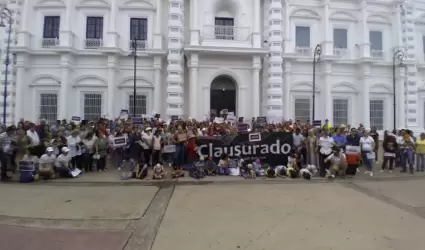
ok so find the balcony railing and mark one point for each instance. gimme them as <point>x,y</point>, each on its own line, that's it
<point>49,42</point>
<point>226,32</point>
<point>340,52</point>
<point>93,43</point>
<point>304,51</point>
<point>140,44</point>
<point>378,54</point>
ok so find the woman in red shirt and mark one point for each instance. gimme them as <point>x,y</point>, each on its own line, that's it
<point>191,148</point>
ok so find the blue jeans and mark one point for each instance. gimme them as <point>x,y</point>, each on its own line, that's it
<point>179,155</point>
<point>369,163</point>
<point>420,162</point>
<point>406,157</point>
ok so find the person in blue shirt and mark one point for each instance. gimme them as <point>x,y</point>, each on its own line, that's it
<point>340,139</point>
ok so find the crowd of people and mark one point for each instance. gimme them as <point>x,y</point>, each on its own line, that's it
<point>67,149</point>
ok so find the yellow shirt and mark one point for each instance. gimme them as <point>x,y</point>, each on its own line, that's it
<point>420,146</point>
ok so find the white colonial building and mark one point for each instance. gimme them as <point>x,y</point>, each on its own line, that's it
<point>196,57</point>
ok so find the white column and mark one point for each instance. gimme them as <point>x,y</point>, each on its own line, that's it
<point>112,63</point>
<point>328,43</point>
<point>255,91</point>
<point>327,92</point>
<point>256,37</point>
<point>400,100</point>
<point>113,20</point>
<point>20,82</point>
<point>242,107</point>
<point>365,45</point>
<point>399,32</point>
<point>63,93</point>
<point>366,96</point>
<point>193,86</point>
<point>157,39</point>
<point>287,91</point>
<point>194,30</point>
<point>289,42</point>
<point>158,98</point>
<point>67,19</point>
<point>24,16</point>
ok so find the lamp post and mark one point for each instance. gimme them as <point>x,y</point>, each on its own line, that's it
<point>134,46</point>
<point>398,56</point>
<point>316,58</point>
<point>6,14</point>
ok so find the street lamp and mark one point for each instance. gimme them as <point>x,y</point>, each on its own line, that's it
<point>316,58</point>
<point>398,56</point>
<point>6,15</point>
<point>134,47</point>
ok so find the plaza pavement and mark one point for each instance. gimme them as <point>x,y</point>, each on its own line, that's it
<point>384,212</point>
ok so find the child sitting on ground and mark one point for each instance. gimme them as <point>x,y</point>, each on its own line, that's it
<point>250,173</point>
<point>127,167</point>
<point>158,172</point>
<point>141,171</point>
<point>197,171</point>
<point>177,172</point>
<point>210,167</point>
<point>259,171</point>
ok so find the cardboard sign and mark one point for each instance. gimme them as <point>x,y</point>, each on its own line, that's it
<point>262,120</point>
<point>169,149</point>
<point>76,118</point>
<point>219,120</point>
<point>174,117</point>
<point>254,137</point>
<point>137,121</point>
<point>243,127</point>
<point>124,114</point>
<point>181,137</point>
<point>317,123</point>
<point>119,141</point>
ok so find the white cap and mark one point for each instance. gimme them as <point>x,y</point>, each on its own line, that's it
<point>50,149</point>
<point>201,158</point>
<point>65,149</point>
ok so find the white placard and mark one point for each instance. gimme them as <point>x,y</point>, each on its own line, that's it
<point>219,120</point>
<point>254,137</point>
<point>169,149</point>
<point>389,154</point>
<point>371,155</point>
<point>119,141</point>
<point>355,149</point>
<point>76,172</point>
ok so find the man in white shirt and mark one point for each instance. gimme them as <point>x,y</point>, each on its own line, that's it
<point>367,146</point>
<point>33,135</point>
<point>46,164</point>
<point>63,163</point>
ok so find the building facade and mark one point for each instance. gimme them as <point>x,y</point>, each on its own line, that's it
<point>194,58</point>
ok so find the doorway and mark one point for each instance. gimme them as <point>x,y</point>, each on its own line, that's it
<point>222,95</point>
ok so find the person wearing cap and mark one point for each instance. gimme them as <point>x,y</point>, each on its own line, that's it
<point>47,161</point>
<point>63,164</point>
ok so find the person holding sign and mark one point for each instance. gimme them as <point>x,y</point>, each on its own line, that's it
<point>180,139</point>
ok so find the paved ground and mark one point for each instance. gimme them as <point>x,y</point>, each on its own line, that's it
<point>363,213</point>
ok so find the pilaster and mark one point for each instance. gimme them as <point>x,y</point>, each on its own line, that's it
<point>193,86</point>
<point>158,89</point>
<point>112,88</point>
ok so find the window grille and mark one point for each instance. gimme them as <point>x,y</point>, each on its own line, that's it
<point>92,106</point>
<point>302,109</point>
<point>340,112</point>
<point>377,114</point>
<point>141,105</point>
<point>49,107</point>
